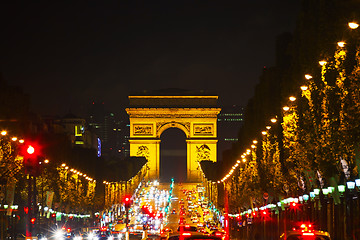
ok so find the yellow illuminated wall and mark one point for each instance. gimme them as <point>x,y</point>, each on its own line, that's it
<point>198,124</point>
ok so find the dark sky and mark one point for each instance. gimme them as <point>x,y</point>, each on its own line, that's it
<point>65,55</point>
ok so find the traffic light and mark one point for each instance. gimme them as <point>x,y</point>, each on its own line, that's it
<point>32,158</point>
<point>127,201</point>
<point>33,220</point>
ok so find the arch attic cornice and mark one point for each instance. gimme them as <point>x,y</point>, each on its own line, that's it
<point>173,112</point>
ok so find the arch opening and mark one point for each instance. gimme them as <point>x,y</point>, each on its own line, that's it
<point>173,155</point>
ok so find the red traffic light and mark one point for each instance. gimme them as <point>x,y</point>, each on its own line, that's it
<point>30,150</point>
<point>33,220</point>
<point>53,215</point>
<point>127,201</point>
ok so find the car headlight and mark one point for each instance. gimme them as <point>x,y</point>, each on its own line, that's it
<point>43,238</point>
<point>110,238</point>
<point>92,236</point>
<point>78,238</point>
<point>59,234</point>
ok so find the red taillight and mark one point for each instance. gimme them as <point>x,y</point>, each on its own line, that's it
<point>68,230</point>
<point>218,234</point>
<point>186,234</point>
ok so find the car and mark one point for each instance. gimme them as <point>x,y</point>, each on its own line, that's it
<point>218,233</point>
<point>103,235</point>
<point>192,235</point>
<point>187,228</point>
<point>313,235</point>
<point>305,232</point>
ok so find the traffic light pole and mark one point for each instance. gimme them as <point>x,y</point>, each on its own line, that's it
<point>127,223</point>
<point>29,215</point>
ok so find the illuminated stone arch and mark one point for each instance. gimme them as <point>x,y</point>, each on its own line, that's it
<point>182,126</point>
<point>195,115</point>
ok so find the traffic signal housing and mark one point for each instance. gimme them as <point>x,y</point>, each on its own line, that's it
<point>32,159</point>
<point>127,201</point>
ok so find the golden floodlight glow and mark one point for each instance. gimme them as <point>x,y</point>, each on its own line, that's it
<point>353,25</point>
<point>322,62</point>
<point>308,76</point>
<point>3,132</point>
<point>341,44</point>
<point>268,127</point>
<point>286,108</point>
<point>273,120</point>
<point>255,141</point>
<point>14,138</point>
<point>263,132</point>
<point>304,88</point>
<point>292,98</point>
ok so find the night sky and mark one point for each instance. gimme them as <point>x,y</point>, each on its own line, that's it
<point>66,55</point>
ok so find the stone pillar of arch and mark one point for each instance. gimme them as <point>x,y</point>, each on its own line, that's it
<point>150,116</point>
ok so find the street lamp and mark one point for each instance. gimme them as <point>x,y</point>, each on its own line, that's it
<point>308,76</point>
<point>357,182</point>
<point>273,120</point>
<point>341,44</point>
<point>316,191</point>
<point>292,98</point>
<point>341,188</point>
<point>353,25</point>
<point>305,197</point>
<point>322,62</point>
<point>304,88</point>
<point>350,185</point>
